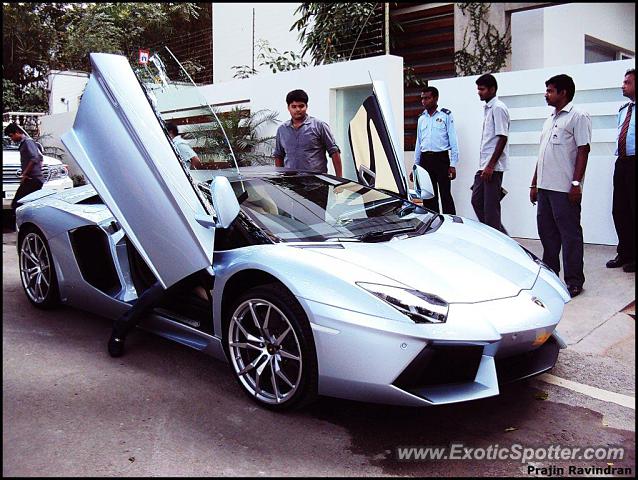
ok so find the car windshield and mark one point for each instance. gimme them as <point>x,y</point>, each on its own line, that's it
<point>310,208</point>
<point>7,144</point>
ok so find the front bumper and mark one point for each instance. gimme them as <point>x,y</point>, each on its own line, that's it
<point>369,358</point>
<point>447,374</point>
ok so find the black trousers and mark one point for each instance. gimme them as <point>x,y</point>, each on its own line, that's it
<point>624,207</point>
<point>437,164</point>
<point>152,297</point>
<point>558,222</point>
<point>486,200</point>
<point>28,186</point>
<point>144,304</point>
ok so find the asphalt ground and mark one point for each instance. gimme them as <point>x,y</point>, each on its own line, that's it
<point>166,410</point>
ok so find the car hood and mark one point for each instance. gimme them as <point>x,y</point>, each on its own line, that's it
<point>11,157</point>
<point>460,262</point>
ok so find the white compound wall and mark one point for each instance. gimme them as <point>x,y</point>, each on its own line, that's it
<point>597,91</point>
<point>555,35</point>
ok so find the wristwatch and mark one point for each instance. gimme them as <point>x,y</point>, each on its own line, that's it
<point>575,183</point>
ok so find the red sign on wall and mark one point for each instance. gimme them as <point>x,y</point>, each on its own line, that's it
<point>144,55</point>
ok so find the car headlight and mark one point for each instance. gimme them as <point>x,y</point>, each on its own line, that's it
<point>420,307</point>
<point>58,171</point>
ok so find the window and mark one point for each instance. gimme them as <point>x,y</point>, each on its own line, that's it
<point>599,51</point>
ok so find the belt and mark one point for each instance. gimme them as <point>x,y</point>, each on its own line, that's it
<point>443,152</point>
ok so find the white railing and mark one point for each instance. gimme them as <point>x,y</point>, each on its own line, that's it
<point>30,121</point>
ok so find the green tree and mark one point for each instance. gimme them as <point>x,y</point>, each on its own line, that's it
<point>276,61</point>
<point>330,30</point>
<point>10,100</point>
<point>88,31</point>
<point>272,58</point>
<point>29,33</point>
<point>119,28</point>
<point>484,48</point>
<point>38,37</point>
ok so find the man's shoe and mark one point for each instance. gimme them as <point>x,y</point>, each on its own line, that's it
<point>616,262</point>
<point>574,290</point>
<point>629,267</point>
<point>116,346</point>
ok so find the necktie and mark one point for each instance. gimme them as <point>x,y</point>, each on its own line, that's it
<point>622,138</point>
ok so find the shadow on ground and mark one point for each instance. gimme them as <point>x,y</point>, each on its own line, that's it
<point>202,397</point>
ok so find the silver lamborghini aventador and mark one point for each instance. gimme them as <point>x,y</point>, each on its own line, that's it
<point>317,285</point>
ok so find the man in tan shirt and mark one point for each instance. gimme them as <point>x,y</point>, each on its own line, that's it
<point>556,184</point>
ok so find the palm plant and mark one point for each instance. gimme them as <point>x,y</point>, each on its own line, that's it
<point>244,131</point>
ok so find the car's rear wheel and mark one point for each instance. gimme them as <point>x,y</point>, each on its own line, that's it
<point>37,272</point>
<point>271,349</point>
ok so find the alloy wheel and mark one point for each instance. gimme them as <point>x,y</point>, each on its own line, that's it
<point>36,268</point>
<point>265,351</point>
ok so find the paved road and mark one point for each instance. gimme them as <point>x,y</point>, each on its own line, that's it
<point>166,410</point>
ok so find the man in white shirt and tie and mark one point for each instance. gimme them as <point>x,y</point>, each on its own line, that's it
<point>624,199</point>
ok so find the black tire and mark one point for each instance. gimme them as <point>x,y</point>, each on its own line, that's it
<point>37,269</point>
<point>284,383</point>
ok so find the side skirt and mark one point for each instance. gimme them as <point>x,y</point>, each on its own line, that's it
<point>180,333</point>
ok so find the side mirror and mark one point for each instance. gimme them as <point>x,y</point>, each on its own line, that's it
<point>224,201</point>
<point>422,183</point>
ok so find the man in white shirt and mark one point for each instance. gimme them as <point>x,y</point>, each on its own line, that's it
<point>487,187</point>
<point>187,153</point>
<point>556,185</point>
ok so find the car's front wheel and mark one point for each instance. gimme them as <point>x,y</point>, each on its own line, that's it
<point>37,272</point>
<point>271,349</point>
